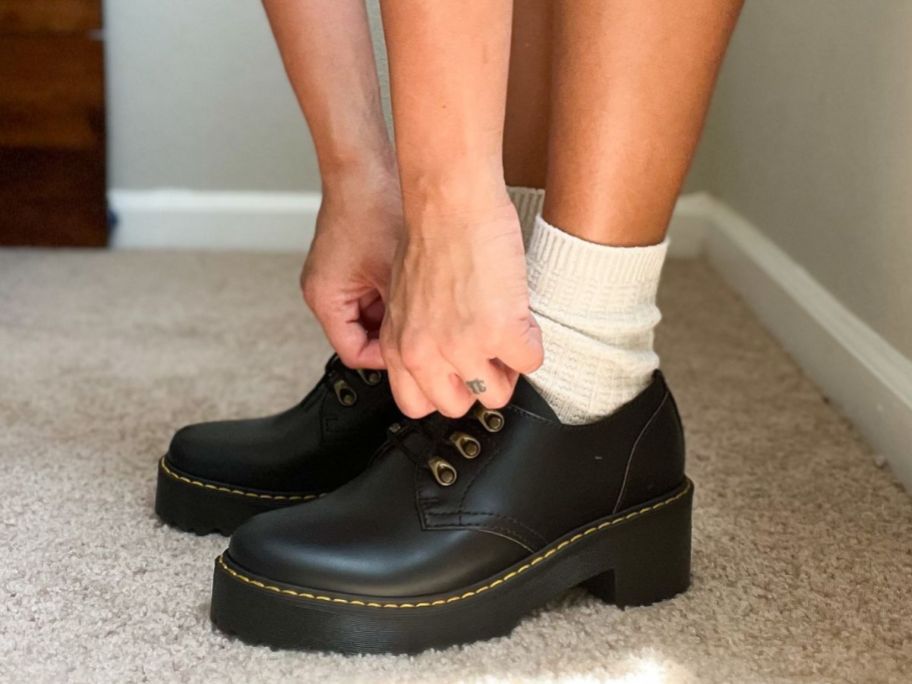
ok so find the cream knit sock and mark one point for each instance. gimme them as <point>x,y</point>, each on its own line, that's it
<point>596,307</point>
<point>528,203</point>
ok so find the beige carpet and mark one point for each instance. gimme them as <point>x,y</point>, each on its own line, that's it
<point>802,566</point>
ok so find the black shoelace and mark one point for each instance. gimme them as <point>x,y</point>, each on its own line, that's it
<point>438,433</point>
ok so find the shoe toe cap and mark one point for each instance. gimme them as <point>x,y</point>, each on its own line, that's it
<point>194,449</point>
<point>266,548</point>
<point>245,453</point>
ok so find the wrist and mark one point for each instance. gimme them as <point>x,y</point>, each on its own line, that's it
<point>452,194</point>
<point>435,221</point>
<point>360,178</point>
<point>347,168</point>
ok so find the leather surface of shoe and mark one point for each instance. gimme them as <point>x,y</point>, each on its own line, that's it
<point>461,527</point>
<point>217,475</point>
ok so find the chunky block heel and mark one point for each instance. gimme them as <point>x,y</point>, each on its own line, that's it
<point>650,559</point>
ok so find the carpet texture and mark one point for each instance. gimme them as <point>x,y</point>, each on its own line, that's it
<point>802,548</point>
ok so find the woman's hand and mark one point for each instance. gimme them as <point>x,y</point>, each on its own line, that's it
<point>457,326</point>
<point>346,275</point>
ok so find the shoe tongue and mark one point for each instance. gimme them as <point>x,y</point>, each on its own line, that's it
<point>528,399</point>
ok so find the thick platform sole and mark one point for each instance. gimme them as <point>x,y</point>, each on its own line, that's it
<point>194,504</point>
<point>637,557</point>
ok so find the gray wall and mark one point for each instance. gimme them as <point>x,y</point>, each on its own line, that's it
<point>198,99</point>
<point>810,138</point>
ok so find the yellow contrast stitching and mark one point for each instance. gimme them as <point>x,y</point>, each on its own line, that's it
<point>458,597</point>
<point>239,492</point>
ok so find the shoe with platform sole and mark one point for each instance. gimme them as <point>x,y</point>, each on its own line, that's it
<point>462,527</point>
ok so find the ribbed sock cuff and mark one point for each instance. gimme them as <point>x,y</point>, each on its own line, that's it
<point>593,262</point>
<point>566,272</point>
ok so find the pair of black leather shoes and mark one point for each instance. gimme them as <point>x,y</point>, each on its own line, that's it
<point>441,531</point>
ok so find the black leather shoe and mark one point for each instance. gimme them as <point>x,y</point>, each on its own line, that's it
<point>463,526</point>
<point>217,475</point>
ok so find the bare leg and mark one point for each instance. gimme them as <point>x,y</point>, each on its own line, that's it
<point>631,82</point>
<point>631,85</point>
<point>525,144</point>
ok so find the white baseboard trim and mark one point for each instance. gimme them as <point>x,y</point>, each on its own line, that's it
<point>191,219</point>
<point>866,378</point>
<point>274,221</point>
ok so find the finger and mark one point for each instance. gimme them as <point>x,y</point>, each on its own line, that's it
<point>443,386</point>
<point>348,336</point>
<point>355,347</point>
<point>408,396</point>
<point>372,310</point>
<point>523,352</point>
<point>490,381</point>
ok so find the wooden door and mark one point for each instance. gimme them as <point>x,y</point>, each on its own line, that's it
<point>52,132</point>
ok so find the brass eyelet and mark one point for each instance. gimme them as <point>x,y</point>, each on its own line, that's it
<point>344,393</point>
<point>443,471</point>
<point>491,420</point>
<point>370,377</point>
<point>467,445</point>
